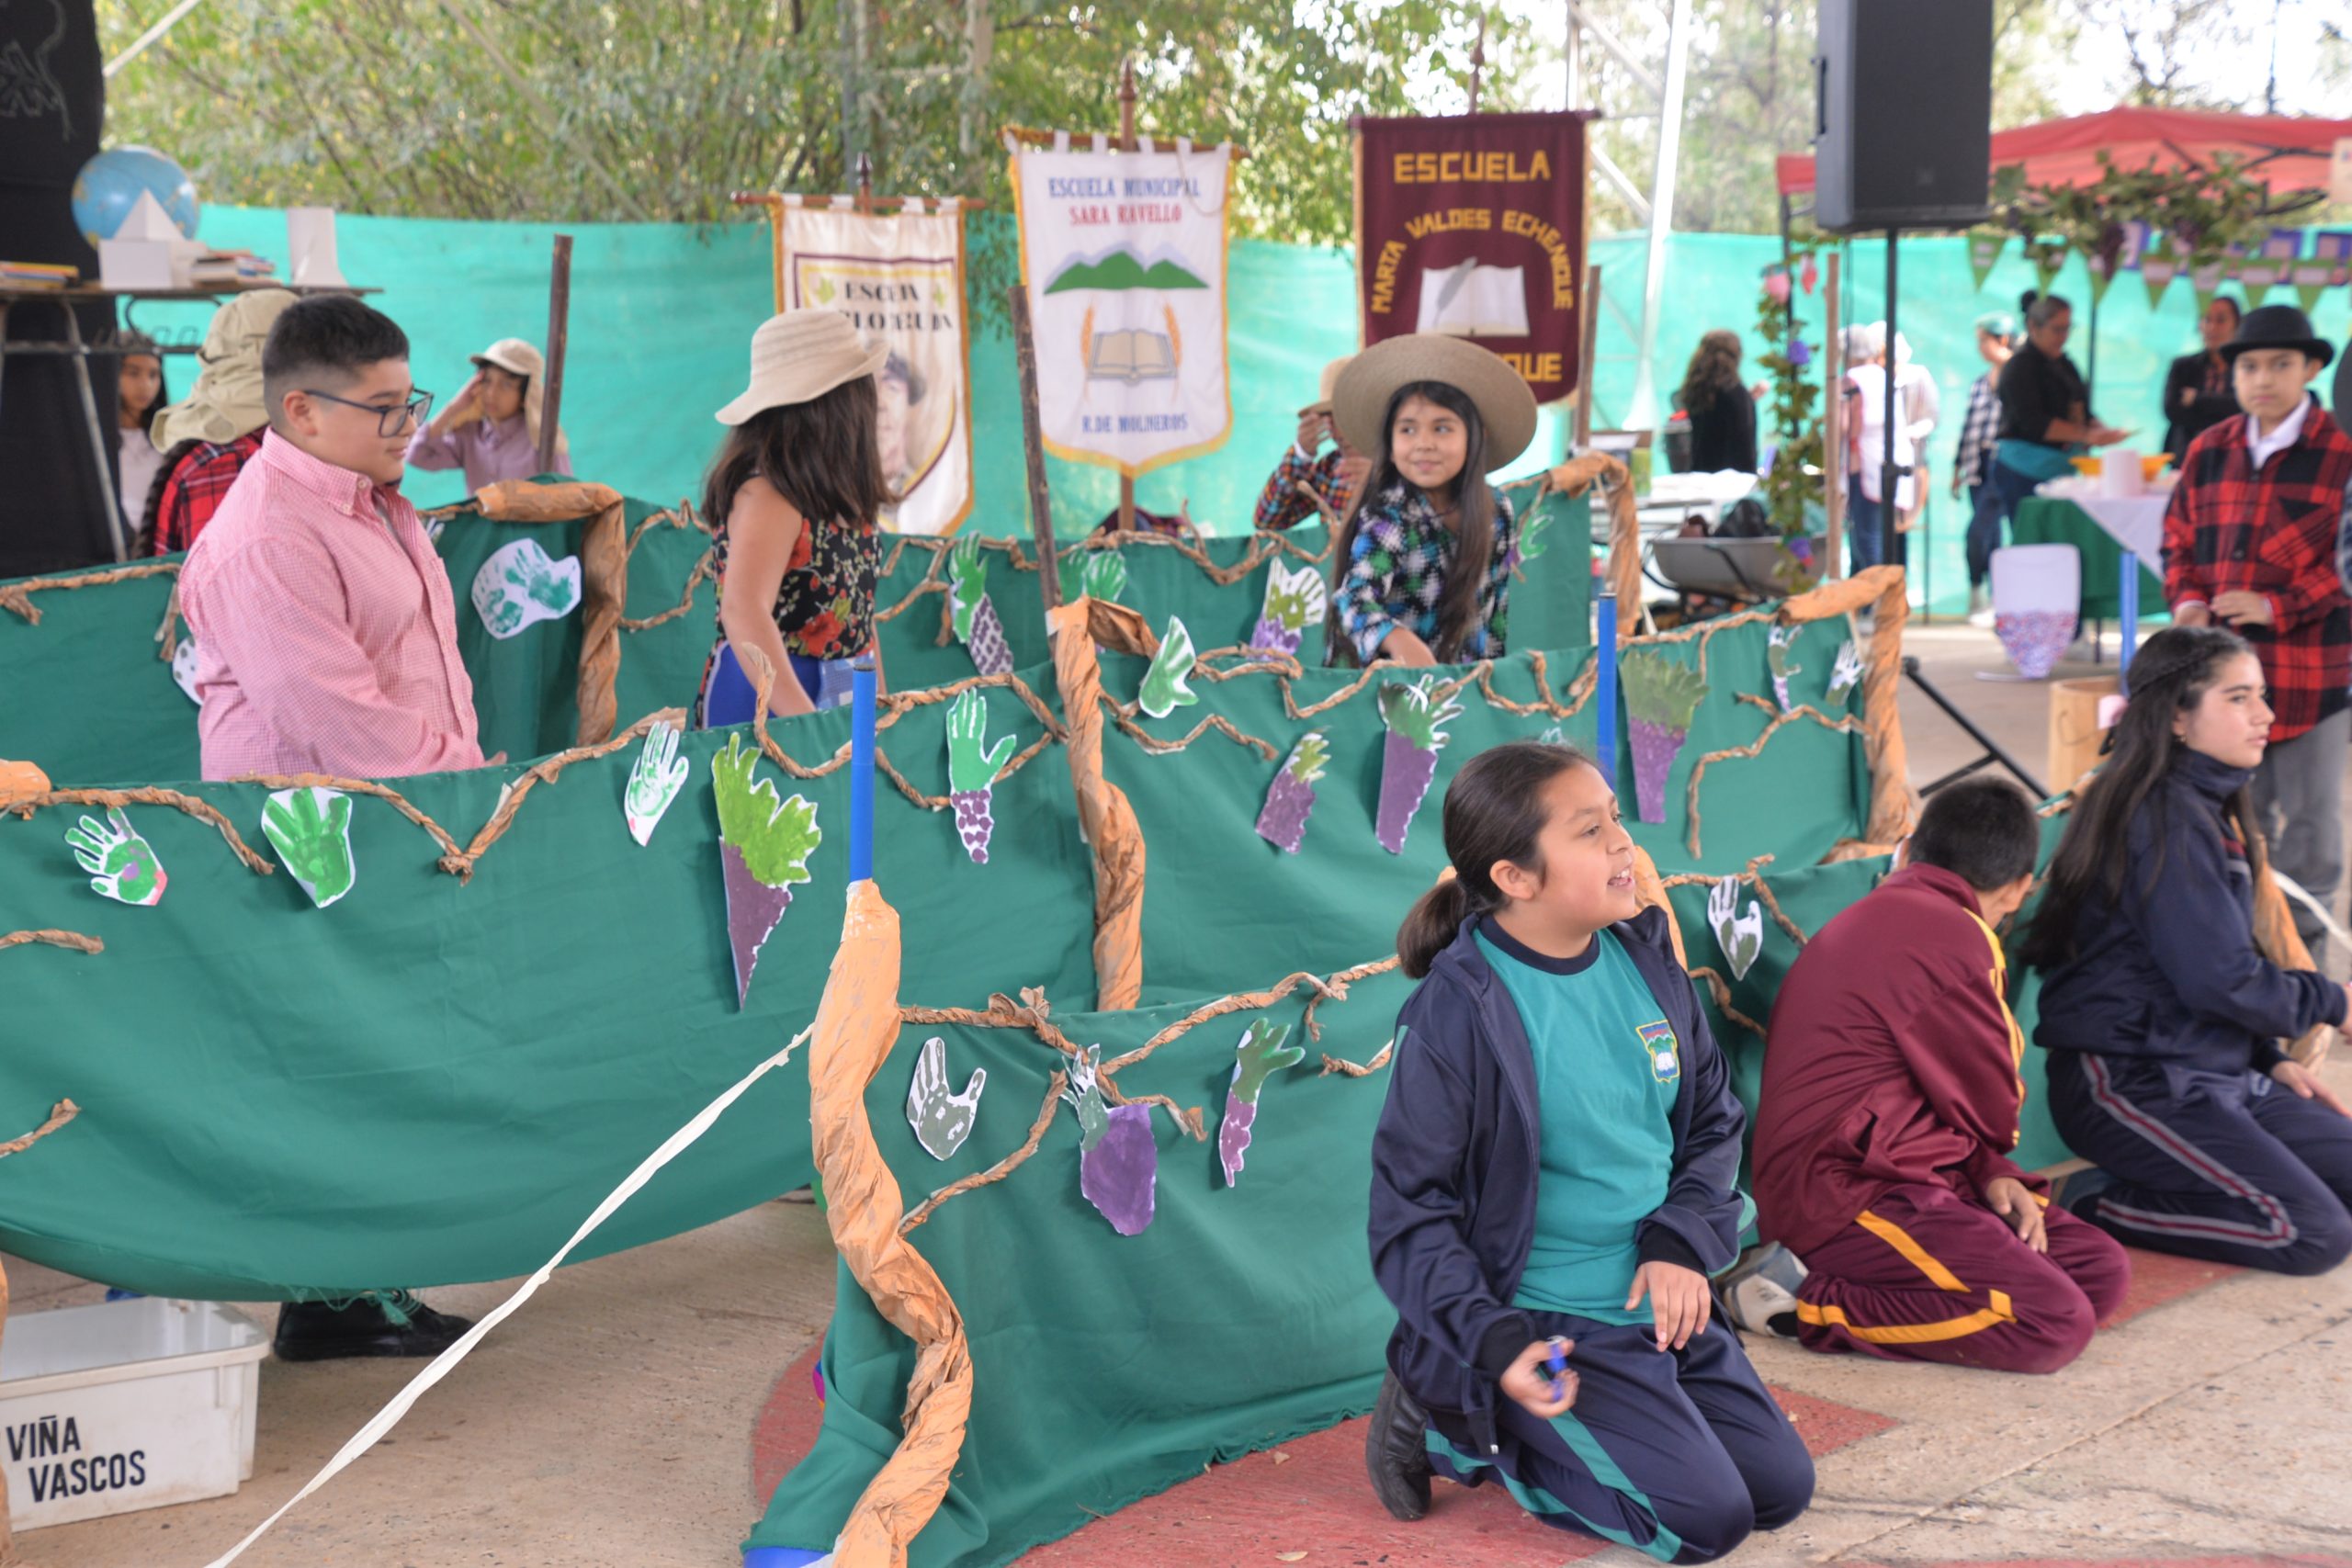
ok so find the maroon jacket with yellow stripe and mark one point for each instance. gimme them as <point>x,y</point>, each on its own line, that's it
<point>1892,1060</point>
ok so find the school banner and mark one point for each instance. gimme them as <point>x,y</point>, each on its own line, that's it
<point>1123,255</point>
<point>1474,225</point>
<point>898,278</point>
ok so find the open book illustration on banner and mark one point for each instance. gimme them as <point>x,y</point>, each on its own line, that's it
<point>1470,300</point>
<point>1129,354</point>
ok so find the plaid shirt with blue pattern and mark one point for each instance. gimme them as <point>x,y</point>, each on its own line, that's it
<point>1980,432</point>
<point>1396,574</point>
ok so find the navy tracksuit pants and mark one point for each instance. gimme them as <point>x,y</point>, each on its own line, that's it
<point>2227,1167</point>
<point>1678,1453</point>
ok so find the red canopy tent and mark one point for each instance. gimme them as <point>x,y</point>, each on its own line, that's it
<point>2284,152</point>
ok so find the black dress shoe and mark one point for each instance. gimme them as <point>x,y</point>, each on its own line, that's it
<point>1395,1452</point>
<point>397,1325</point>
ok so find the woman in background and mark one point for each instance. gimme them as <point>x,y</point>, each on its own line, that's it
<point>2196,388</point>
<point>1722,411</point>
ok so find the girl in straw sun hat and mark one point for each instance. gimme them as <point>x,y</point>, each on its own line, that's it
<point>490,429</point>
<point>794,496</point>
<point>1422,571</point>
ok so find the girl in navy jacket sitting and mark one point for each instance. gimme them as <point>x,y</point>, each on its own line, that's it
<point>1552,1184</point>
<point>2161,1018</point>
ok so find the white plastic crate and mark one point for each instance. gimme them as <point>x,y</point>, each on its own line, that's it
<point>132,1405</point>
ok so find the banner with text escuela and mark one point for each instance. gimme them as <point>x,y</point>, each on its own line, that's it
<point>899,279</point>
<point>1474,225</point>
<point>1122,255</point>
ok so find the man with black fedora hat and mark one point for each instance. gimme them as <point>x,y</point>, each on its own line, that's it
<point>2253,540</point>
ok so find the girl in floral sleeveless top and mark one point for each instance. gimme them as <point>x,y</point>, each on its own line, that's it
<point>794,496</point>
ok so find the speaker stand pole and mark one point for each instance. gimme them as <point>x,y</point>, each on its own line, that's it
<point>1890,476</point>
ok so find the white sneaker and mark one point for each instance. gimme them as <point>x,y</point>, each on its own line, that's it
<point>1763,1286</point>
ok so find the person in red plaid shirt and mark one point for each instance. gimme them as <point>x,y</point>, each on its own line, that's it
<point>2252,539</point>
<point>1307,475</point>
<point>206,440</point>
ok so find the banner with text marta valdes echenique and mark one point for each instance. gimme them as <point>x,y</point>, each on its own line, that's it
<point>898,278</point>
<point>1474,225</point>
<point>1123,255</point>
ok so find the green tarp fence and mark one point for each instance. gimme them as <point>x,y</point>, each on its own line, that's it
<point>431,1080</point>
<point>88,698</point>
<point>661,318</point>
<point>461,1064</point>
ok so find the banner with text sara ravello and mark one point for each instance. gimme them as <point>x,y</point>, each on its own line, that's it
<point>1123,255</point>
<point>899,279</point>
<point>1474,226</point>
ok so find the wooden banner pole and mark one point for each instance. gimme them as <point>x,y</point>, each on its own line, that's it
<point>559,336</point>
<point>1127,144</point>
<point>1033,440</point>
<point>1586,331</point>
<point>1833,431</point>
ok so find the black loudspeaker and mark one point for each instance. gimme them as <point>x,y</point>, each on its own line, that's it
<point>2342,400</point>
<point>56,504</point>
<point>1903,130</point>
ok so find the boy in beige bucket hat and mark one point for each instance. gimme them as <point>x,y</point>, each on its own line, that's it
<point>794,497</point>
<point>1310,481</point>
<point>490,429</point>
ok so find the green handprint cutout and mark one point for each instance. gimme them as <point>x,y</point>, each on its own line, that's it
<point>972,771</point>
<point>967,576</point>
<point>519,584</point>
<point>1531,541</point>
<point>654,781</point>
<point>1098,574</point>
<point>1166,685</point>
<point>120,862</point>
<point>310,831</point>
<point>1261,1053</point>
<point>969,765</point>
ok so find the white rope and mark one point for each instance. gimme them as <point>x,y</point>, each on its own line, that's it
<point>2294,890</point>
<point>446,1362</point>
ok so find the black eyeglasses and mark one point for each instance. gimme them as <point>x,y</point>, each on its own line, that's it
<point>388,421</point>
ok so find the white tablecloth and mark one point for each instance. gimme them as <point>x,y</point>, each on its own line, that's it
<point>2136,523</point>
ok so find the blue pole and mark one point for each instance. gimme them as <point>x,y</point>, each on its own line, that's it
<point>1605,689</point>
<point>861,769</point>
<point>2130,613</point>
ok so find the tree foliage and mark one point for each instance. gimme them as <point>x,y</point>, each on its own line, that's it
<point>614,110</point>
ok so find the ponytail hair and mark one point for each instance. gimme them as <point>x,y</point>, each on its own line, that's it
<point>1494,811</point>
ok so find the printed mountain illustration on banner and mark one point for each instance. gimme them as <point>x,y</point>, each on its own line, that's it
<point>1123,269</point>
<point>1123,255</point>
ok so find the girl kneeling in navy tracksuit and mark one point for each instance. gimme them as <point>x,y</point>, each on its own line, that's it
<point>2161,1018</point>
<point>1554,1176</point>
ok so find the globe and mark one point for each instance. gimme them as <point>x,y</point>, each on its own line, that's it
<point>109,185</point>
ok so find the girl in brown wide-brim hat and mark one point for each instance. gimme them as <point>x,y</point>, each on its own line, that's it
<point>793,498</point>
<point>1422,571</point>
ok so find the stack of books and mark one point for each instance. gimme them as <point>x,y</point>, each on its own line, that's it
<point>37,275</point>
<point>231,266</point>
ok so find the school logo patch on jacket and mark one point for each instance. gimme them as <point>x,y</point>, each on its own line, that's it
<point>1657,1039</point>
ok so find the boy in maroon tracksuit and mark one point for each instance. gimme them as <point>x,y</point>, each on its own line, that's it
<point>1890,1104</point>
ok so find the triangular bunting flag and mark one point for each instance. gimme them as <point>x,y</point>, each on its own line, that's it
<point>1984,253</point>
